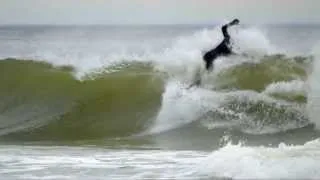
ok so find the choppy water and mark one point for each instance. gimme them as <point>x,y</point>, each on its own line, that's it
<point>113,103</point>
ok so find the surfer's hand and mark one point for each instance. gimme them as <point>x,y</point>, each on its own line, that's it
<point>234,22</point>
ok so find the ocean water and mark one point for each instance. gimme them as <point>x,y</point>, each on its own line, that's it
<point>113,102</point>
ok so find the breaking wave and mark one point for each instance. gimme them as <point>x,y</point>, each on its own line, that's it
<point>40,101</point>
<point>258,92</point>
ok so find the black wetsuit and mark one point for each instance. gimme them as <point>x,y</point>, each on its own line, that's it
<point>223,49</point>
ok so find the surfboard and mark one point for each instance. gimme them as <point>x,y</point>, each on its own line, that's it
<point>197,78</point>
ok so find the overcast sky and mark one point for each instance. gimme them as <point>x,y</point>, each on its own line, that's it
<point>157,11</point>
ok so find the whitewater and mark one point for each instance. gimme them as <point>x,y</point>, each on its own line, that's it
<point>113,102</point>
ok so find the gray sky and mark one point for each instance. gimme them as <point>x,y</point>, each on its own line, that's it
<point>156,11</point>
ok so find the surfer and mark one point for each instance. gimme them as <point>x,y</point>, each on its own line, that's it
<point>223,49</point>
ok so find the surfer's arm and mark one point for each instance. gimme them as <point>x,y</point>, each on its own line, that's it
<point>225,31</point>
<point>225,28</point>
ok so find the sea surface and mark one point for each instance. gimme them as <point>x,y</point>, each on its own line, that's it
<point>115,102</point>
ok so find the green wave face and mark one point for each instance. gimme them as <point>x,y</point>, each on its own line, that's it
<point>42,102</point>
<point>271,69</point>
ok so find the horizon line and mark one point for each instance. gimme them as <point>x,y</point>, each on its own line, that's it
<point>152,24</point>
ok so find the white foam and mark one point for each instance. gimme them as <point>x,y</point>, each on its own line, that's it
<point>314,88</point>
<point>94,163</point>
<point>30,176</point>
<point>187,51</point>
<point>231,161</point>
<point>181,106</point>
<point>183,59</point>
<point>240,162</point>
<point>287,87</point>
<point>88,50</point>
<point>254,42</point>
<point>249,123</point>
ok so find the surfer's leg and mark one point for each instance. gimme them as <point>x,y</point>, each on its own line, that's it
<point>209,65</point>
<point>209,58</point>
